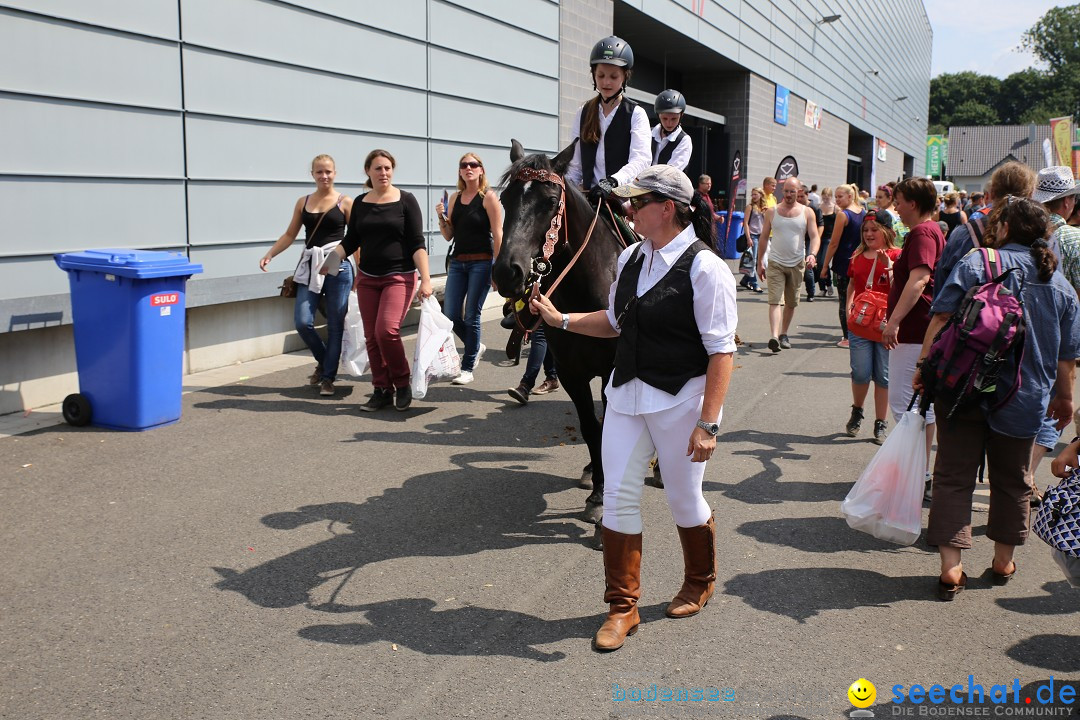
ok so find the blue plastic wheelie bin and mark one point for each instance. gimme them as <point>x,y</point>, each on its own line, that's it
<point>725,241</point>
<point>128,310</point>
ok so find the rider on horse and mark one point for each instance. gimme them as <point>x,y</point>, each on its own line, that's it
<point>612,130</point>
<point>670,143</point>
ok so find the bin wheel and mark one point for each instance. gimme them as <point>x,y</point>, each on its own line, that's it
<point>76,410</point>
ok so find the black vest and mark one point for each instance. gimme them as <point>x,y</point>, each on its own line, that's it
<point>669,352</point>
<point>664,158</point>
<point>616,144</point>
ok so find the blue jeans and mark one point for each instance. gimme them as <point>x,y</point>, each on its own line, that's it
<point>467,286</point>
<point>336,289</point>
<point>538,356</point>
<point>869,360</point>
<point>751,281</point>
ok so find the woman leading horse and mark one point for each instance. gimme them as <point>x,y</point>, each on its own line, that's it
<point>672,308</point>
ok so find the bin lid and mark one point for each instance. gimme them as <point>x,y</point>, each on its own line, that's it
<point>129,263</point>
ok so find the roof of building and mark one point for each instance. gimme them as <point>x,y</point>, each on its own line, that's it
<point>976,150</point>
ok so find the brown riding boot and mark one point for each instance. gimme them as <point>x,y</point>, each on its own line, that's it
<point>699,570</point>
<point>622,570</point>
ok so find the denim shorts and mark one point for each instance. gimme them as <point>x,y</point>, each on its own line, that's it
<point>869,359</point>
<point>1048,434</point>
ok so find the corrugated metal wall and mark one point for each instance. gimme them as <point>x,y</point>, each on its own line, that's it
<point>190,124</point>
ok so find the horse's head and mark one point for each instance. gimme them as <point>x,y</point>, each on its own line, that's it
<point>529,207</point>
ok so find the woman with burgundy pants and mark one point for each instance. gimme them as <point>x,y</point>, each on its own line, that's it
<point>387,228</point>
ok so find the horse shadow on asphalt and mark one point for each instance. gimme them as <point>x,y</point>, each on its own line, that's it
<point>500,507</point>
<point>767,486</point>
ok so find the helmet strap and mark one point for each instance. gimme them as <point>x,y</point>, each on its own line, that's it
<point>611,100</point>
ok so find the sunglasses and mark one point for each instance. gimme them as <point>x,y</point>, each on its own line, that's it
<point>642,200</point>
<point>471,165</point>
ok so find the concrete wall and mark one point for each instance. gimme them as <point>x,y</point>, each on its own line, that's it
<point>822,154</point>
<point>581,24</point>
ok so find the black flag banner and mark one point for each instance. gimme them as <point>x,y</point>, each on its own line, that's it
<point>736,175</point>
<point>788,167</point>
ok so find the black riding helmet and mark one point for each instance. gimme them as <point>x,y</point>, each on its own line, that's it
<point>612,51</point>
<point>670,101</point>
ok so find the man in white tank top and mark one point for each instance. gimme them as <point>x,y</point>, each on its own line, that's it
<point>783,236</point>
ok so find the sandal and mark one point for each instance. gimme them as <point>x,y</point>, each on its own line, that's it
<point>1000,579</point>
<point>947,592</point>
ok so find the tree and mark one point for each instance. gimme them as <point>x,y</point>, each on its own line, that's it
<point>1053,38</point>
<point>949,91</point>
<point>973,112</point>
<point>1020,93</point>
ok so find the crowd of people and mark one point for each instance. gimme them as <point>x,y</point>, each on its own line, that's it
<point>907,255</point>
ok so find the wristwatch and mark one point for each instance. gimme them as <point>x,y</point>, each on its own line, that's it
<point>565,321</point>
<point>711,428</point>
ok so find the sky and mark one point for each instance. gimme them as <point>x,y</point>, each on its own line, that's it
<point>997,25</point>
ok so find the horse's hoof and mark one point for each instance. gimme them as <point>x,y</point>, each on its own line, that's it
<point>593,513</point>
<point>654,479</point>
<point>597,542</point>
<point>585,483</point>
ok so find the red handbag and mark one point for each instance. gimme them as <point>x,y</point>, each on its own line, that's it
<point>869,310</point>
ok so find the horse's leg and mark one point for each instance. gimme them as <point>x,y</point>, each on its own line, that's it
<point>581,394</point>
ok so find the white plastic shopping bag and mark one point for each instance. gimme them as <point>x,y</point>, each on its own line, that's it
<point>354,359</point>
<point>886,500</point>
<point>1069,565</point>
<point>436,357</point>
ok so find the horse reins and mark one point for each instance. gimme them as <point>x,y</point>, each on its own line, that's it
<point>541,265</point>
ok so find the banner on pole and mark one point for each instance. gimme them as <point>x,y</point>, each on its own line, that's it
<point>787,168</point>
<point>933,154</point>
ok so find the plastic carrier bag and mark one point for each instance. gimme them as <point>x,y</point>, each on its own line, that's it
<point>436,358</point>
<point>886,500</point>
<point>354,358</point>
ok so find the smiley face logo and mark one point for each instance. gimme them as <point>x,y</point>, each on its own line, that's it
<point>862,693</point>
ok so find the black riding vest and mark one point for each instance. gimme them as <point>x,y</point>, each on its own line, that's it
<point>668,352</point>
<point>616,144</point>
<point>665,155</point>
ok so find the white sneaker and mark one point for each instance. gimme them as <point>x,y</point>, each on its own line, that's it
<point>464,378</point>
<point>481,351</point>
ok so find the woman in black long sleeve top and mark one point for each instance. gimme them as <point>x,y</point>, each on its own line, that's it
<point>387,228</point>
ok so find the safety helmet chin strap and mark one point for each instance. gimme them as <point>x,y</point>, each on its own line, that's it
<point>611,100</point>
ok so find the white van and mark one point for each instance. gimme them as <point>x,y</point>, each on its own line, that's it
<point>944,187</point>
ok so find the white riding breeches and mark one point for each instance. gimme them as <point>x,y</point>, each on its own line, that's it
<point>629,444</point>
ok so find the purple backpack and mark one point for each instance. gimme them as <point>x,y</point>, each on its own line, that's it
<point>969,352</point>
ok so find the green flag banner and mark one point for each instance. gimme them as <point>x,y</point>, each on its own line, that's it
<point>934,145</point>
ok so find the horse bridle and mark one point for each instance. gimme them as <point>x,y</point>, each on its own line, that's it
<point>541,264</point>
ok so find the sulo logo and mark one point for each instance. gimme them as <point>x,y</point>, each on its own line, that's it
<point>164,299</point>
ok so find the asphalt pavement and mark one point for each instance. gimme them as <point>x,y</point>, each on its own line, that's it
<point>280,555</point>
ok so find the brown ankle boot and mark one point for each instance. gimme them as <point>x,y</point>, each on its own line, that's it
<point>699,570</point>
<point>622,570</point>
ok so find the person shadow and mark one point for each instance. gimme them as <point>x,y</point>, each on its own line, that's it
<point>470,509</point>
<point>767,486</point>
<point>414,623</point>
<point>823,588</point>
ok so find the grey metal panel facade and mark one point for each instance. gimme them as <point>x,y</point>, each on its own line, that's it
<point>155,124</point>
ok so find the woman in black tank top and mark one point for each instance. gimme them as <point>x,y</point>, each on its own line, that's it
<point>952,215</point>
<point>323,215</point>
<point>474,231</point>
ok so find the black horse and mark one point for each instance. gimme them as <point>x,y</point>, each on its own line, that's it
<point>531,206</point>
